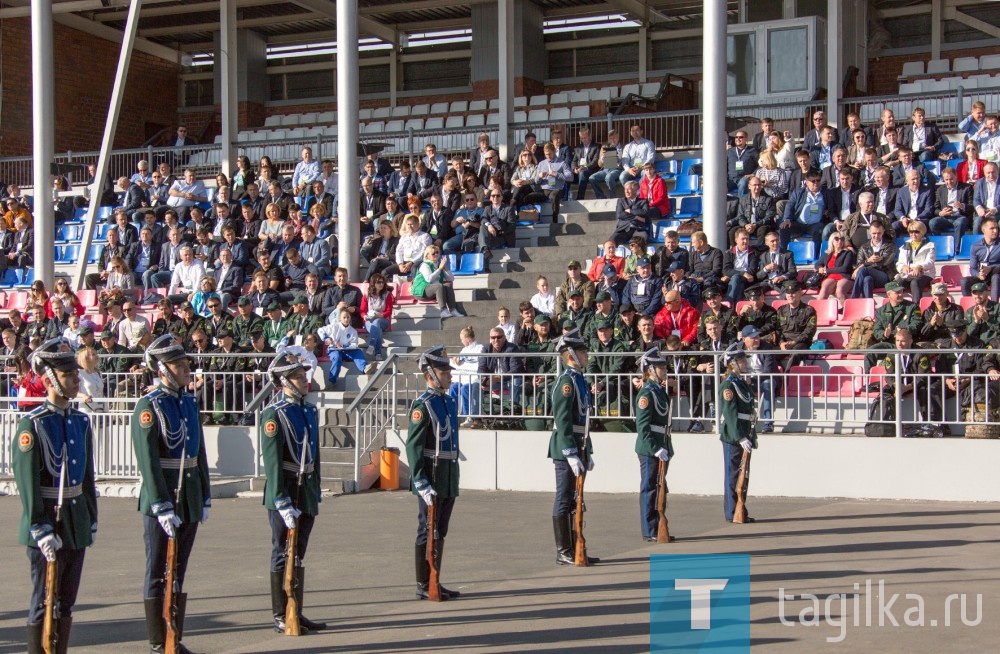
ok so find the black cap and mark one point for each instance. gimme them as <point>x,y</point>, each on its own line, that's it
<point>710,292</point>
<point>542,318</point>
<point>956,323</point>
<point>627,306</point>
<point>751,293</point>
<point>244,302</point>
<point>603,296</point>
<point>224,332</point>
<point>86,330</point>
<point>605,323</point>
<point>792,286</point>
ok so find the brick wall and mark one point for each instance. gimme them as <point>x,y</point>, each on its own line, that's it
<point>84,76</point>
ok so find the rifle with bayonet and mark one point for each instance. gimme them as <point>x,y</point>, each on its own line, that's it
<point>433,583</point>
<point>171,590</point>
<point>743,481</point>
<point>580,553</point>
<point>292,626</point>
<point>50,634</point>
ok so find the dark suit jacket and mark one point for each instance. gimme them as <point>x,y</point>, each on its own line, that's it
<point>592,154</point>
<point>128,236</point>
<point>439,229</point>
<point>729,263</point>
<point>835,199</point>
<point>402,185</point>
<point>165,256</point>
<point>503,220</point>
<point>797,179</point>
<point>502,168</point>
<point>232,283</point>
<point>890,198</point>
<point>134,198</point>
<point>847,139</point>
<point>135,252</point>
<point>748,157</point>
<point>830,177</point>
<point>812,138</point>
<point>24,243</point>
<point>932,136</point>
<point>425,187</point>
<point>786,265</point>
<point>963,193</point>
<point>762,209</point>
<point>899,175</point>
<point>376,203</point>
<point>925,204</point>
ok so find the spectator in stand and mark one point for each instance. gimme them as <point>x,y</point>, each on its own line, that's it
<point>755,212</point>
<point>882,192</point>
<point>983,316</point>
<point>341,341</point>
<point>112,249</point>
<point>856,150</point>
<point>543,301</point>
<point>120,276</point>
<point>805,213</point>
<point>306,172</point>
<point>22,250</point>
<point>228,279</point>
<point>773,176</point>
<point>26,384</point>
<point>91,381</point>
<point>493,167</point>
<point>889,151</point>
<point>836,270</point>
<point>841,201</point>
<point>59,321</point>
<point>822,152</point>
<point>186,278</point>
<point>425,181</point>
<point>376,307</point>
<point>134,198</point>
<point>552,174</point>
<point>814,137</point>
<point>380,251</point>
<point>757,313</point>
<point>975,121</point>
<point>866,172</point>
<point>830,176</point>
<point>465,225</point>
<point>608,256</point>
<point>741,163</point>
<point>523,180</point>
<point>739,267</point>
<point>887,130</point>
<point>608,174</point>
<point>409,250</point>
<point>988,138</point>
<point>761,372</point>
<point>796,324</point>
<point>637,153</point>
<point>678,318</point>
<point>984,261</point>
<point>986,196</point>
<point>200,298</point>
<point>612,284</point>
<point>435,161</point>
<point>466,385</point>
<point>907,162</point>
<point>585,161</point>
<point>61,205</point>
<point>797,178</point>
<point>676,279</point>
<point>16,210</point>
<point>937,316</point>
<point>631,214</point>
<point>243,177</point>
<point>130,329</point>
<point>971,376</point>
<point>477,158</point>
<point>300,322</point>
<point>270,229</point>
<point>574,282</point>
<point>433,281</point>
<point>315,251</point>
<point>653,190</point>
<point>498,226</point>
<point>60,290</point>
<point>876,262</point>
<point>318,194</point>
<point>343,295</point>
<point>924,139</point>
<point>953,207</point>
<point>501,375</point>
<point>915,261</point>
<point>296,270</point>
<point>671,252</point>
<point>914,203</point>
<point>436,221</point>
<point>530,144</point>
<point>372,205</point>
<point>186,193</point>
<point>504,322</point>
<point>644,291</point>
<point>705,263</point>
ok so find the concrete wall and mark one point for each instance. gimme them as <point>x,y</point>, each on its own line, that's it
<point>784,466</point>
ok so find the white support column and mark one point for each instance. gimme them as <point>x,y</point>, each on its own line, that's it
<point>937,25</point>
<point>110,127</point>
<point>713,129</point>
<point>229,95</point>
<point>43,132</point>
<point>834,18</point>
<point>643,53</point>
<point>348,200</point>
<point>505,21</point>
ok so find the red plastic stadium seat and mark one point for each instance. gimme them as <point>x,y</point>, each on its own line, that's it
<point>843,381</point>
<point>804,381</point>
<point>826,311</point>
<point>856,308</point>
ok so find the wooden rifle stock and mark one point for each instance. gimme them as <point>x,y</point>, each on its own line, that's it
<point>292,626</point>
<point>662,529</point>
<point>49,631</point>
<point>170,599</point>
<point>580,554</point>
<point>742,484</point>
<point>433,584</point>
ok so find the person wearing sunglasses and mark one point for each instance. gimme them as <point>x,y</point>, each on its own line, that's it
<point>497,225</point>
<point>915,261</point>
<point>970,168</point>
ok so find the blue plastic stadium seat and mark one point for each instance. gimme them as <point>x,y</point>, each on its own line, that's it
<point>945,247</point>
<point>9,278</point>
<point>688,207</point>
<point>965,249</point>
<point>667,168</point>
<point>687,164</point>
<point>95,253</point>
<point>804,252</point>
<point>67,253</point>
<point>452,262</point>
<point>473,263</point>
<point>933,167</point>
<point>80,213</point>
<point>26,277</point>
<point>686,185</point>
<point>103,213</point>
<point>101,231</point>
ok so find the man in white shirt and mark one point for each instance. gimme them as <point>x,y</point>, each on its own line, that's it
<point>306,172</point>
<point>435,161</point>
<point>132,327</point>
<point>636,154</point>
<point>186,193</point>
<point>187,276</point>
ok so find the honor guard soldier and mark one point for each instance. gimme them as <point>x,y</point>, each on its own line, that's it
<point>736,430</point>
<point>652,437</point>
<point>290,444</point>
<point>569,447</point>
<point>432,450</point>
<point>53,462</point>
<point>175,494</point>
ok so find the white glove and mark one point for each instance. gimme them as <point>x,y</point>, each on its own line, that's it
<point>169,521</point>
<point>204,514</point>
<point>575,464</point>
<point>427,495</point>
<point>662,455</point>
<point>747,445</point>
<point>49,544</point>
<point>289,515</point>
<point>590,464</point>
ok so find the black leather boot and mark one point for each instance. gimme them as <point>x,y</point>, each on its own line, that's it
<point>181,603</point>
<point>34,638</point>
<point>446,594</point>
<point>300,585</point>
<point>156,630</point>
<point>279,601</point>
<point>423,570</point>
<point>65,625</point>
<point>564,551</point>
<point>572,542</point>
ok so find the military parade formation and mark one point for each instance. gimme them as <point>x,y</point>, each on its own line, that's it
<point>53,467</point>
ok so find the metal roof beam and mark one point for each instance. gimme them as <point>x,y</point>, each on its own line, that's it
<point>115,36</point>
<point>365,25</point>
<point>215,25</point>
<point>24,10</point>
<point>177,10</point>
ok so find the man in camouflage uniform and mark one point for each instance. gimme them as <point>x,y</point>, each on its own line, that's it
<point>52,457</point>
<point>604,370</point>
<point>432,451</point>
<point>896,312</point>
<point>542,368</point>
<point>984,316</point>
<point>796,323</point>
<point>576,312</point>
<point>915,371</point>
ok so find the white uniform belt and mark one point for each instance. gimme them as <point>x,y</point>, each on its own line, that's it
<point>52,492</point>
<point>659,429</point>
<point>293,467</point>
<point>744,416</point>
<point>175,464</point>
<point>443,454</point>
<point>579,429</point>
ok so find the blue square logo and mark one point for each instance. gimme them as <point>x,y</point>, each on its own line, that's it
<point>699,603</point>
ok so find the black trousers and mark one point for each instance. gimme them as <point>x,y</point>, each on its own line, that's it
<point>565,502</point>
<point>279,539</point>
<point>442,518</point>
<point>69,564</point>
<point>156,554</point>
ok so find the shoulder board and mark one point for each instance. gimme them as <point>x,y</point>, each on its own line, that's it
<point>37,412</point>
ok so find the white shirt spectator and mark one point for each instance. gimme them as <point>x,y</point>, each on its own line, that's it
<point>411,247</point>
<point>468,363</point>
<point>346,337</point>
<point>544,303</point>
<point>638,153</point>
<point>306,172</point>
<point>128,330</point>
<point>186,277</point>
<point>196,189</point>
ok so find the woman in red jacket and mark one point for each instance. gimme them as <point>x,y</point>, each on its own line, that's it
<point>676,317</point>
<point>376,308</point>
<point>970,168</point>
<point>654,190</point>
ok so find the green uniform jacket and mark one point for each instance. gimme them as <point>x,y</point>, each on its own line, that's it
<point>652,420</point>
<point>274,332</point>
<point>31,473</point>
<point>984,331</point>
<point>113,360</point>
<point>738,407</point>
<point>907,314</point>
<point>433,435</point>
<point>283,426</point>
<point>570,405</point>
<point>242,327</point>
<point>765,320</point>
<point>580,319</point>
<point>591,329</point>
<point>797,325</point>
<point>310,324</point>
<point>729,320</point>
<point>159,460</point>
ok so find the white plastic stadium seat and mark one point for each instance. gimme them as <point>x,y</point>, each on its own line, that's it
<point>628,88</point>
<point>559,113</point>
<point>934,86</point>
<point>402,111</point>
<point>537,115</point>
<point>272,121</point>
<point>964,64</point>
<point>495,103</point>
<point>538,101</point>
<point>970,83</point>
<point>439,108</point>
<point>289,119</point>
<point>580,111</point>
<point>910,87</point>
<point>520,101</point>
<point>455,121</point>
<point>987,62</point>
<point>382,112</point>
<point>307,118</point>
<point>493,119</point>
<point>364,114</point>
<point>478,105</point>
<point>459,106</point>
<point>649,89</point>
<point>474,120</point>
<point>913,68</point>
<point>559,98</point>
<point>374,127</point>
<point>434,123</point>
<point>578,96</point>
<point>420,110</point>
<point>938,66</point>
<point>520,116</point>
<point>394,126</point>
<point>326,117</point>
<point>414,123</point>
<point>604,94</point>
